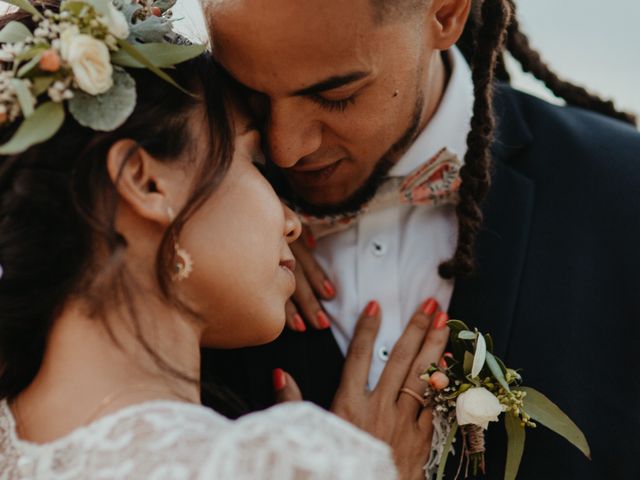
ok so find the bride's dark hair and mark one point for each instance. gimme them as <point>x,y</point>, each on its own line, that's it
<point>57,203</point>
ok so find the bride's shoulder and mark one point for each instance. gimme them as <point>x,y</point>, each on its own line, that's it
<point>141,441</point>
<point>298,440</point>
<point>178,440</point>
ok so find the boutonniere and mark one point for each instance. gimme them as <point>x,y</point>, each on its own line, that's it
<point>470,388</point>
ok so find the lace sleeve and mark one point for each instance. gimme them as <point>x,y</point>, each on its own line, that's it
<point>298,441</point>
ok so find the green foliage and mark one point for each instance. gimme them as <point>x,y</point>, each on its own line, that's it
<point>515,446</point>
<point>140,57</point>
<point>14,32</point>
<point>496,371</point>
<point>45,121</point>
<point>26,6</point>
<point>447,450</point>
<point>164,4</point>
<point>162,55</point>
<point>25,97</point>
<point>152,29</point>
<point>41,84</point>
<point>108,111</point>
<point>479,356</point>
<point>543,410</point>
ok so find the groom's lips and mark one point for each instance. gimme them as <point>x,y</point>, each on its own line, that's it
<point>309,175</point>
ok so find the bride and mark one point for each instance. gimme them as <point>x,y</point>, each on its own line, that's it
<point>124,250</point>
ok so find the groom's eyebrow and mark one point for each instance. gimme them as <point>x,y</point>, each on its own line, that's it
<point>331,83</point>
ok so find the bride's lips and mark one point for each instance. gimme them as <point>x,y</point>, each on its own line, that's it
<point>313,174</point>
<point>288,266</point>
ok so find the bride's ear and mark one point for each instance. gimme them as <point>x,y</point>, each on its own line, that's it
<point>140,180</point>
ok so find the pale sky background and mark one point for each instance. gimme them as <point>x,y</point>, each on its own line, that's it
<point>595,43</point>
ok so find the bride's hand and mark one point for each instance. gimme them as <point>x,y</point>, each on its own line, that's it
<point>395,417</point>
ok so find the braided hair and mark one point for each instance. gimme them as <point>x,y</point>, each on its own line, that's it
<point>491,32</point>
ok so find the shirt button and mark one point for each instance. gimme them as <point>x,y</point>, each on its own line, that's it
<point>378,248</point>
<point>383,353</point>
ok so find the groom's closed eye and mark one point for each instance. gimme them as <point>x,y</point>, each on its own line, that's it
<point>335,93</point>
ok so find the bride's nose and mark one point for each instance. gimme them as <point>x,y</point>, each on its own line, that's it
<point>292,226</point>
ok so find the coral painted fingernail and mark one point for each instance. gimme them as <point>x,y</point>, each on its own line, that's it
<point>298,323</point>
<point>441,320</point>
<point>310,240</point>
<point>429,307</point>
<point>372,309</point>
<point>323,320</point>
<point>279,379</point>
<point>328,288</point>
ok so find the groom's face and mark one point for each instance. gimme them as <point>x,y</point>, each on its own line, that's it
<point>344,93</point>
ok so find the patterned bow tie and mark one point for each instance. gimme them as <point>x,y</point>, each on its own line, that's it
<point>435,182</point>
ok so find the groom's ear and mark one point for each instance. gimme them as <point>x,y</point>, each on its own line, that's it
<point>447,19</point>
<point>141,180</point>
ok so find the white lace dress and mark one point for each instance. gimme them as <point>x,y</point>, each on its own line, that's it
<point>174,441</point>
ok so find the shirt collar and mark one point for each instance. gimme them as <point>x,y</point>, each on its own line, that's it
<point>450,124</point>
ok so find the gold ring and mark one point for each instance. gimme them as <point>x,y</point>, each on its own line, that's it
<point>421,400</point>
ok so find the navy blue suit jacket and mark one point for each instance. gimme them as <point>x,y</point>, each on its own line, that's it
<point>557,286</point>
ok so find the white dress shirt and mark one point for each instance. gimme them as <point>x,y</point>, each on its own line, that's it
<point>393,255</point>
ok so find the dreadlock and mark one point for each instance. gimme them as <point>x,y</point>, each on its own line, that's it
<point>475,174</point>
<point>491,32</point>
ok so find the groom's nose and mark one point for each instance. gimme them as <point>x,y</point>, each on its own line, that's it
<point>292,133</point>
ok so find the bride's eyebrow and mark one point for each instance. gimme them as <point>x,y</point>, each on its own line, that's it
<point>331,83</point>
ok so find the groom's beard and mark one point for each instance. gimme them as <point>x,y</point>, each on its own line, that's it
<point>366,191</point>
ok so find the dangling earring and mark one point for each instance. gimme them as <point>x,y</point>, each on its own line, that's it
<point>183,263</point>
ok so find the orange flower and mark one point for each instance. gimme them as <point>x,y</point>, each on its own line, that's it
<point>50,61</point>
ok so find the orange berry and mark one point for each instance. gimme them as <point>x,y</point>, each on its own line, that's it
<point>438,380</point>
<point>50,61</point>
<point>156,11</point>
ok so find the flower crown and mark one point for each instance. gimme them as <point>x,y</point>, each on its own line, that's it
<point>77,56</point>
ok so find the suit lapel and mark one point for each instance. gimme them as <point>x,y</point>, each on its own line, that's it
<point>488,299</point>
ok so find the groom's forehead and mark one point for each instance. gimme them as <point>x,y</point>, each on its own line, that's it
<point>275,40</point>
<point>288,19</point>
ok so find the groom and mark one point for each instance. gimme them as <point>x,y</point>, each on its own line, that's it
<point>538,246</point>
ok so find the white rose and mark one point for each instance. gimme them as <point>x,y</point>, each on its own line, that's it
<point>90,61</point>
<point>116,22</point>
<point>67,35</point>
<point>477,406</point>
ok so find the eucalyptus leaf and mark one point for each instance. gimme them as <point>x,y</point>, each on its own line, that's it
<point>515,446</point>
<point>495,369</point>
<point>107,111</point>
<point>30,65</point>
<point>467,335</point>
<point>457,326</point>
<point>14,32</point>
<point>26,6</point>
<point>130,10</point>
<point>41,84</point>
<point>75,8</point>
<point>446,450</point>
<point>162,55</point>
<point>25,97</point>
<point>468,363</point>
<point>543,410</point>
<point>45,121</point>
<point>479,357</point>
<point>152,29</point>
<point>164,4</point>
<point>137,55</point>
<point>32,52</point>
<point>100,6</point>
<point>489,339</point>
